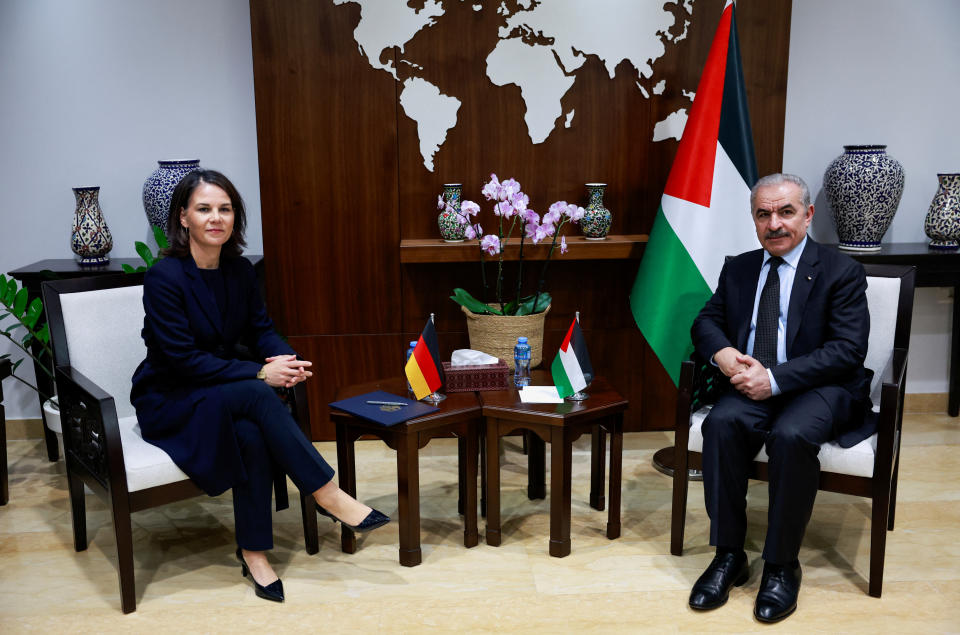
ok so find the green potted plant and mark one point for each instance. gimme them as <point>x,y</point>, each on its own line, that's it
<point>495,325</point>
<point>22,323</point>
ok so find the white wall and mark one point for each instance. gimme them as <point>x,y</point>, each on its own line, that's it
<point>867,72</point>
<point>94,92</point>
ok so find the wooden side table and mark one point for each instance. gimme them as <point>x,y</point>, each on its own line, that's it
<point>559,425</point>
<point>458,414</point>
<point>4,491</point>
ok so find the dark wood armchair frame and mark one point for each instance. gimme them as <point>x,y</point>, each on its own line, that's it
<point>698,386</point>
<point>93,450</point>
<point>5,370</point>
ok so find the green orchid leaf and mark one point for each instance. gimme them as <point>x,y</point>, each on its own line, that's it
<point>44,334</point>
<point>33,313</point>
<point>463,298</point>
<point>144,252</point>
<point>526,305</point>
<point>20,302</point>
<point>511,307</point>
<point>160,237</point>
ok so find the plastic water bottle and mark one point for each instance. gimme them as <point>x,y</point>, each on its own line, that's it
<point>521,363</point>
<point>413,345</point>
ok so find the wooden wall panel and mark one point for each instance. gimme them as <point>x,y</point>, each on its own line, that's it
<point>343,181</point>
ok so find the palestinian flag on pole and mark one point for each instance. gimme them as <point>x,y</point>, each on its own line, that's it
<point>705,210</point>
<point>571,367</point>
<point>423,368</point>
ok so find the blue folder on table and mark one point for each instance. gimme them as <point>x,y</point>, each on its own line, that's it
<point>382,414</point>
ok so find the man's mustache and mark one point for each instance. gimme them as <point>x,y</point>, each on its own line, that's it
<point>779,233</point>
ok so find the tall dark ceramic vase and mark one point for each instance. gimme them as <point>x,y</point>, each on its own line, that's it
<point>90,238</point>
<point>863,187</point>
<point>451,229</point>
<point>158,189</point>
<point>942,223</point>
<point>597,218</point>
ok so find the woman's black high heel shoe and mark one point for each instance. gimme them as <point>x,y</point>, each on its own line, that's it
<point>272,592</point>
<point>373,520</point>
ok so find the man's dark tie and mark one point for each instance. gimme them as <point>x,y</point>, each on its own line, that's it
<point>768,314</point>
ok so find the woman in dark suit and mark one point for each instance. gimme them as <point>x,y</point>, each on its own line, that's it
<point>201,396</point>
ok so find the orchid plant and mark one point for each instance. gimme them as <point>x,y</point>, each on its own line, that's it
<point>511,207</point>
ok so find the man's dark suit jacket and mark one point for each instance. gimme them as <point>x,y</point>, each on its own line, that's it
<point>191,350</point>
<point>827,328</point>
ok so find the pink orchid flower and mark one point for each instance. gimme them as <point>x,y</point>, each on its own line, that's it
<point>440,202</point>
<point>509,189</point>
<point>563,244</point>
<point>532,228</point>
<point>491,190</point>
<point>490,244</point>
<point>552,217</point>
<point>469,208</point>
<point>504,208</point>
<point>530,216</point>
<point>574,212</point>
<point>543,231</point>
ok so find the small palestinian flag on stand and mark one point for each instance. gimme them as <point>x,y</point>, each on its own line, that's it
<point>423,368</point>
<point>571,367</point>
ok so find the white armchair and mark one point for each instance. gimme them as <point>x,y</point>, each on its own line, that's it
<point>867,469</point>
<point>95,328</point>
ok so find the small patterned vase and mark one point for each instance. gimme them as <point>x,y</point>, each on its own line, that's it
<point>451,229</point>
<point>90,238</point>
<point>863,186</point>
<point>596,221</point>
<point>942,224</point>
<point>158,189</point>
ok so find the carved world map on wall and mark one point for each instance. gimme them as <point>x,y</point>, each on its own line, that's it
<point>540,47</point>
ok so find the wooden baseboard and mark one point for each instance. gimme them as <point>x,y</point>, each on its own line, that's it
<point>925,403</point>
<point>24,428</point>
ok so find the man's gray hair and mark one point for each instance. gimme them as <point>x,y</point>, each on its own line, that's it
<point>779,179</point>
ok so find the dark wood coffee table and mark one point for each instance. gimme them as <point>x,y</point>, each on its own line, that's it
<point>560,425</point>
<point>458,414</point>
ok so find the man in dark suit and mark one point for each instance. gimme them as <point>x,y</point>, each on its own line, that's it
<point>788,324</point>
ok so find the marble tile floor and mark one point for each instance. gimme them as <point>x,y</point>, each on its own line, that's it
<point>188,581</point>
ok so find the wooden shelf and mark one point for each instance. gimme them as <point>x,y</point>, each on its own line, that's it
<point>619,247</point>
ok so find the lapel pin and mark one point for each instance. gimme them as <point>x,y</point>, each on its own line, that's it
<point>809,277</point>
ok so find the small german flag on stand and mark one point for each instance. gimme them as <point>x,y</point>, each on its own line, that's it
<point>423,368</point>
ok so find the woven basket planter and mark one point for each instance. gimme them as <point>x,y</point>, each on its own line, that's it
<point>497,334</point>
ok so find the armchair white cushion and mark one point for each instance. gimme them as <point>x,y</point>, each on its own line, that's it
<point>103,340</point>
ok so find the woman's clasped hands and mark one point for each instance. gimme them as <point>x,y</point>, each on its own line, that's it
<point>286,371</point>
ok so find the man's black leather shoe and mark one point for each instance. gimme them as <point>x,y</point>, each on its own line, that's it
<point>779,589</point>
<point>712,589</point>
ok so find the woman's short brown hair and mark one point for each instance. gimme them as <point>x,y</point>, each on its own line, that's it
<point>177,233</point>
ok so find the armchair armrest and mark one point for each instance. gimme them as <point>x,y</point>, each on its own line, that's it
<point>91,432</point>
<point>890,419</point>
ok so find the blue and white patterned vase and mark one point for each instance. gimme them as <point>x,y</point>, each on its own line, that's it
<point>942,223</point>
<point>90,238</point>
<point>451,229</point>
<point>863,187</point>
<point>595,224</point>
<point>158,189</point>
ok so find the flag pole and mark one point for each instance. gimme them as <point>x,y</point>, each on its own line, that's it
<point>434,397</point>
<point>580,395</point>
